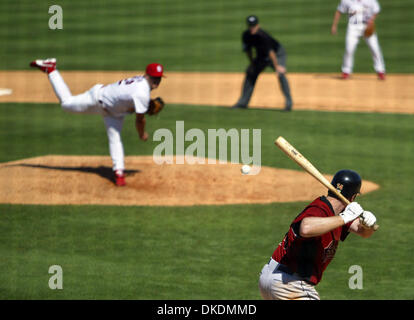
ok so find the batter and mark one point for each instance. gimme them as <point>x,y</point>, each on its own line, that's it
<point>361,15</point>
<point>113,102</point>
<point>297,264</point>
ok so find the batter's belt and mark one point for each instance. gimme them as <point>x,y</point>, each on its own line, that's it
<point>278,267</point>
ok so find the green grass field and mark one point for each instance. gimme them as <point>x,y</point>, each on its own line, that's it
<point>202,252</point>
<point>193,35</point>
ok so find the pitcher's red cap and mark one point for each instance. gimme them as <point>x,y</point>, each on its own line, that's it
<point>155,70</point>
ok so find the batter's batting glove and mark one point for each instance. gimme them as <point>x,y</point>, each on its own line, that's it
<point>368,219</point>
<point>351,212</point>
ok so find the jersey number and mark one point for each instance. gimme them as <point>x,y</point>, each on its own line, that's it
<point>126,81</point>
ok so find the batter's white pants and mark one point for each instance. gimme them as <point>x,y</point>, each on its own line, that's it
<point>277,285</point>
<point>351,41</point>
<point>88,102</point>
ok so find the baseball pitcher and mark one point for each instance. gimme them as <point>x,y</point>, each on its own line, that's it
<point>361,23</point>
<point>113,102</point>
<point>310,244</point>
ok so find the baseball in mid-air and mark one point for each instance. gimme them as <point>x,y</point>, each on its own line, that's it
<point>245,169</point>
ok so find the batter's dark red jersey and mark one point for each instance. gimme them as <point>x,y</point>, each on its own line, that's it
<point>309,257</point>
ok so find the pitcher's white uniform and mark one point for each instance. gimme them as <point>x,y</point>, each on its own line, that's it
<point>112,101</point>
<point>359,12</point>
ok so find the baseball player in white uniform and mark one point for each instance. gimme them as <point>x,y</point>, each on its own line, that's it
<point>113,102</point>
<point>361,14</point>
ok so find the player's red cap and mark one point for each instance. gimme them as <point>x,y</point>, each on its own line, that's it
<point>155,70</point>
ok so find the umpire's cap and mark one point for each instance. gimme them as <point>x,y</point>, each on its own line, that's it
<point>347,182</point>
<point>252,21</point>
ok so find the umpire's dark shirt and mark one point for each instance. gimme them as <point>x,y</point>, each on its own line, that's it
<point>262,41</point>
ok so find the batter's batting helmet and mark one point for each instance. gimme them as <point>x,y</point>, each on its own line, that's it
<point>347,182</point>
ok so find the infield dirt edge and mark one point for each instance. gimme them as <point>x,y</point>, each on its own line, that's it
<point>310,91</point>
<point>87,180</point>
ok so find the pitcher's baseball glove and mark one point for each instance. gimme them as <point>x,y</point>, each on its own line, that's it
<point>369,30</point>
<point>155,106</point>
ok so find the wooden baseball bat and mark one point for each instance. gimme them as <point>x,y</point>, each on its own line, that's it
<point>296,156</point>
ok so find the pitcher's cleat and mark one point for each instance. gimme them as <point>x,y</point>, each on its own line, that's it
<point>47,65</point>
<point>381,75</point>
<point>119,178</point>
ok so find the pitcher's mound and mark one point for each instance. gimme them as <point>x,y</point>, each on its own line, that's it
<point>54,180</point>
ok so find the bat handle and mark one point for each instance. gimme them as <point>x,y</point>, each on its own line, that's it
<point>375,227</point>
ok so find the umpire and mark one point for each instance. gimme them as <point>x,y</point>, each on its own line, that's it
<point>269,52</point>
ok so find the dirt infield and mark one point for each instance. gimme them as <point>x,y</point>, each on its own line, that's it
<point>363,92</point>
<point>57,180</point>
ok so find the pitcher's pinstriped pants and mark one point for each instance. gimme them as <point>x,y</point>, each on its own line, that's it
<point>88,103</point>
